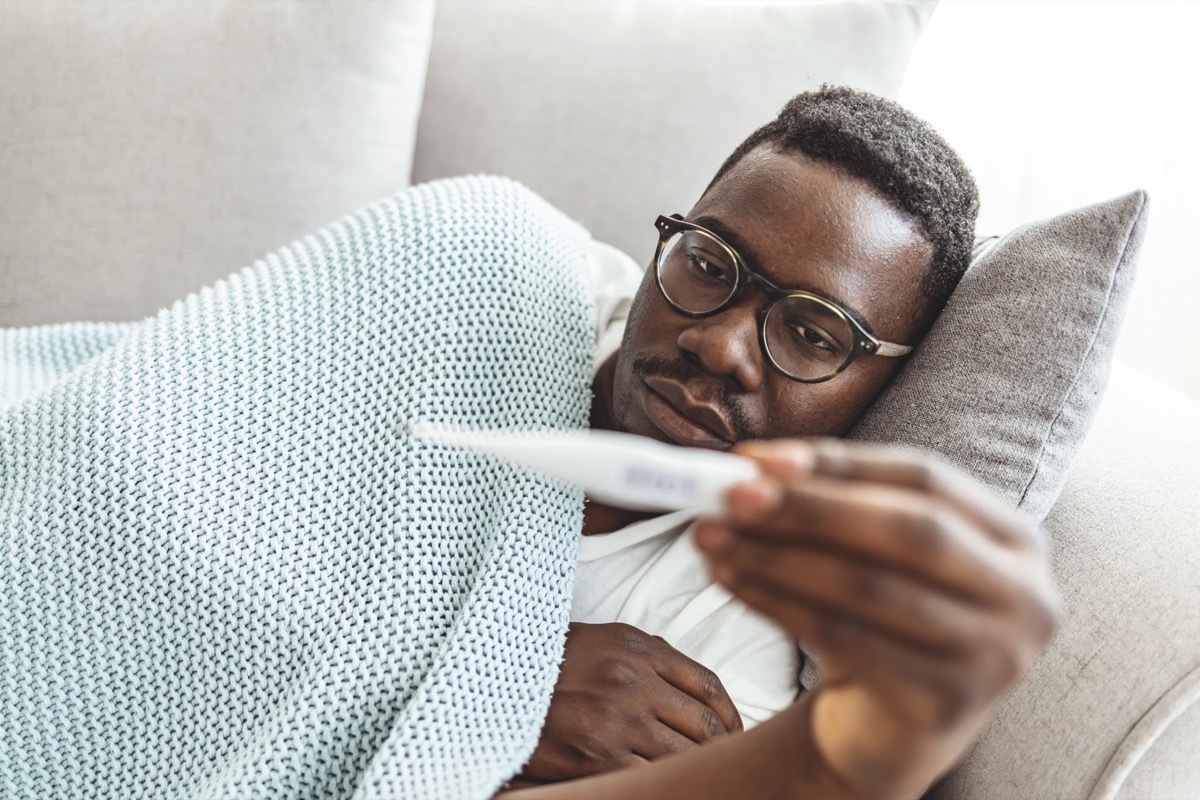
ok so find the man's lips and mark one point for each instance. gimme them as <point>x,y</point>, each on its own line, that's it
<point>702,415</point>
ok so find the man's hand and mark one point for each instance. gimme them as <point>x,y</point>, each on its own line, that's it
<point>624,697</point>
<point>926,598</point>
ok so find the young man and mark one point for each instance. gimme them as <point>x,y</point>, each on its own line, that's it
<point>774,312</point>
<point>231,575</point>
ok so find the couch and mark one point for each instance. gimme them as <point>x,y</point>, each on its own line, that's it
<point>149,149</point>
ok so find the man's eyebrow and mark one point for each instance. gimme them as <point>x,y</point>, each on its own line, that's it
<point>732,239</point>
<point>743,249</point>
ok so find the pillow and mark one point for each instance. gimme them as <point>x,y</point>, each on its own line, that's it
<point>617,112</point>
<point>1007,381</point>
<point>150,148</point>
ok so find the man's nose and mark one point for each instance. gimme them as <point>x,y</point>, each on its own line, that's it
<point>727,344</point>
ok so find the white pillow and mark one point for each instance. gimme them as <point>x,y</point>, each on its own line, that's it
<point>149,148</point>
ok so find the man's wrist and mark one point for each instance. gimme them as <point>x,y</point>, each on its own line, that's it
<point>813,771</point>
<point>871,754</point>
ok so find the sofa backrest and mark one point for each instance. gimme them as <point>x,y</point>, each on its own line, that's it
<point>617,112</point>
<point>148,149</point>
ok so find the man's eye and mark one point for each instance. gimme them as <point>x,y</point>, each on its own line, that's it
<point>813,337</point>
<point>708,270</point>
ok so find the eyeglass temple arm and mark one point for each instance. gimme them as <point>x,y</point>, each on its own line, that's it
<point>892,350</point>
<point>872,345</point>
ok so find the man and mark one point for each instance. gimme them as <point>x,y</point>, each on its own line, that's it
<point>230,575</point>
<point>775,311</point>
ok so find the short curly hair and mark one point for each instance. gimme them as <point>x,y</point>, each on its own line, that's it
<point>899,154</point>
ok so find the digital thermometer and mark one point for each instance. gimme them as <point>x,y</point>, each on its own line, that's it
<point>619,469</point>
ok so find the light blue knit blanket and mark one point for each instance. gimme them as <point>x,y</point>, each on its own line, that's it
<point>223,573</point>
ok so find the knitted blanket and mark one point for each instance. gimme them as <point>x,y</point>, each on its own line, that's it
<point>225,573</point>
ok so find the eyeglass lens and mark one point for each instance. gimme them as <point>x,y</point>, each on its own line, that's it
<point>805,337</point>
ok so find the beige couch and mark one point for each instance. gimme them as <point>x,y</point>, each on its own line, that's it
<point>148,149</point>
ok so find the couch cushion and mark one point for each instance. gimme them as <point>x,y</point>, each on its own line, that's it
<point>150,148</point>
<point>617,112</point>
<point>1120,683</point>
<point>1006,383</point>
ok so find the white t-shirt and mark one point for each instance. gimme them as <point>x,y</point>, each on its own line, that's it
<point>651,576</point>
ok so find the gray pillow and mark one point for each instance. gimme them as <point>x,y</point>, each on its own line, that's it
<point>1006,383</point>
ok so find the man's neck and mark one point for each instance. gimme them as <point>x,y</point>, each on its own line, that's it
<point>601,518</point>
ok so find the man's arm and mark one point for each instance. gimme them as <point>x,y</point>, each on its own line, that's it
<point>624,697</point>
<point>926,597</point>
<point>775,759</point>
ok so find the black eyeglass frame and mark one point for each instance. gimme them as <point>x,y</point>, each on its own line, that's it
<point>864,342</point>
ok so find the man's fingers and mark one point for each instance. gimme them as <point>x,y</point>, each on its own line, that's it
<point>846,461</point>
<point>859,463</point>
<point>699,682</point>
<point>632,760</point>
<point>841,640</point>
<point>879,660</point>
<point>890,602</point>
<point>882,525</point>
<point>690,717</point>
<point>662,740</point>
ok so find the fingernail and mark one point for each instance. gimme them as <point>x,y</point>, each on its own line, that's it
<point>790,458</point>
<point>713,538</point>
<point>754,500</point>
<point>794,459</point>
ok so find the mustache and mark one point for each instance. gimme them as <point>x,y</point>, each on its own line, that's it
<point>724,392</point>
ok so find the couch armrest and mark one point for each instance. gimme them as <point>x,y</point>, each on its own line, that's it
<point>1108,703</point>
<point>1169,766</point>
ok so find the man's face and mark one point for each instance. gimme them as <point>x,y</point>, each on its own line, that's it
<point>802,224</point>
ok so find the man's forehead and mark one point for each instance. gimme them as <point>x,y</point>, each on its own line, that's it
<point>797,197</point>
<point>808,224</point>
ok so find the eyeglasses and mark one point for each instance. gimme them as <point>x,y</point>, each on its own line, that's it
<point>808,338</point>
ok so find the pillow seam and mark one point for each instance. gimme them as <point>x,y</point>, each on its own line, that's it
<point>1053,427</point>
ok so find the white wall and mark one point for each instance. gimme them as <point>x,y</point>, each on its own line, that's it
<point>1062,103</point>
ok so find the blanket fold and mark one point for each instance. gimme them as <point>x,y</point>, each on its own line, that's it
<point>225,573</point>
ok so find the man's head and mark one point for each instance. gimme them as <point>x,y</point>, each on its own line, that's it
<point>844,195</point>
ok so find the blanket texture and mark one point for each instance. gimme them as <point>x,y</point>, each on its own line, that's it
<point>225,573</point>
